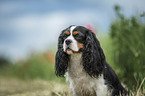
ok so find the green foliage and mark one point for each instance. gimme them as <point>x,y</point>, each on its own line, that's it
<point>36,66</point>
<point>4,62</point>
<point>106,44</point>
<point>128,35</point>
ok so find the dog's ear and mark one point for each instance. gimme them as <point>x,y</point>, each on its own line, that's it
<point>61,59</point>
<point>93,56</point>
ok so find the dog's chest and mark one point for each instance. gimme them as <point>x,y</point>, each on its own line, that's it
<point>80,80</point>
<point>75,68</point>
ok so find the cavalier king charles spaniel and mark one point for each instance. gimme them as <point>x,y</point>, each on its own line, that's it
<point>81,60</point>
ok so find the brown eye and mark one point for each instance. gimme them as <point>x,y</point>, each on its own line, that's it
<point>67,33</point>
<point>75,33</point>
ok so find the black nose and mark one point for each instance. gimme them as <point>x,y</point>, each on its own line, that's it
<point>68,41</point>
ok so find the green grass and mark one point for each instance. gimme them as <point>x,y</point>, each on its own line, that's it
<point>36,66</point>
<point>37,87</point>
<point>108,48</point>
<point>128,35</point>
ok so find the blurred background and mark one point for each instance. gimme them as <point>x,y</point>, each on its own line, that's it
<point>29,31</point>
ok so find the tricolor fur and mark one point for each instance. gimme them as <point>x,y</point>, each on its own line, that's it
<point>81,59</point>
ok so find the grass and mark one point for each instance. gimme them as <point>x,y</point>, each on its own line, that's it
<point>36,87</point>
<point>16,87</point>
<point>139,91</point>
<point>36,66</point>
<point>107,46</point>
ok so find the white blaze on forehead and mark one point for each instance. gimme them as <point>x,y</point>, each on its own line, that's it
<point>72,28</point>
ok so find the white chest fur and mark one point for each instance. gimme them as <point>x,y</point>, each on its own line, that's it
<point>81,83</point>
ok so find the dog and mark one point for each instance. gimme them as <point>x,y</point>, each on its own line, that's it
<point>81,60</point>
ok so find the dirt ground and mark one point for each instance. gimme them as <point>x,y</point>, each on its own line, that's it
<point>16,87</point>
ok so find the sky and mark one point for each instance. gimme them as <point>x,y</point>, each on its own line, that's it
<point>27,25</point>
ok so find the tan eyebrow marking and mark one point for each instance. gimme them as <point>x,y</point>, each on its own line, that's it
<point>67,33</point>
<point>75,32</point>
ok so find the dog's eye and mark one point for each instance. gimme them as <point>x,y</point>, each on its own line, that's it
<point>79,36</point>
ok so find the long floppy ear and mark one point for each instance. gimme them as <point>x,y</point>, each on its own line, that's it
<point>93,56</point>
<point>61,59</point>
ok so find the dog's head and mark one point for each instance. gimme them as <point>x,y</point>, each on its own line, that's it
<point>75,40</point>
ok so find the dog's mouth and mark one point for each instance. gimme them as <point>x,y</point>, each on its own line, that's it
<point>70,51</point>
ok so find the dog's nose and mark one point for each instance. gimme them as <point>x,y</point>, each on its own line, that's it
<point>68,41</point>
